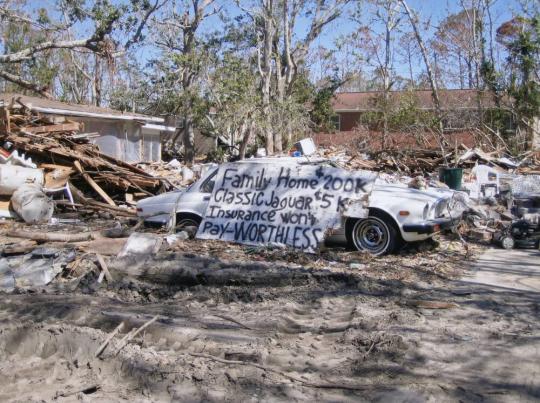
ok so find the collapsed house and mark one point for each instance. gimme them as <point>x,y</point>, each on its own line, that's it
<point>52,149</point>
<point>129,137</point>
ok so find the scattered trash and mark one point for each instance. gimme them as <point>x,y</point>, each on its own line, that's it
<point>306,147</point>
<point>14,158</point>
<point>187,174</point>
<point>141,244</point>
<point>179,236</point>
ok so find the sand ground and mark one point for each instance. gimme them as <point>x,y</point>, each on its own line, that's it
<point>362,334</point>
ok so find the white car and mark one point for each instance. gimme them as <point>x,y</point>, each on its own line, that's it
<point>397,213</point>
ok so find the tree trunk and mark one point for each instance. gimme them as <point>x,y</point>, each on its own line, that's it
<point>246,131</point>
<point>265,70</point>
<point>189,140</point>
<point>433,84</point>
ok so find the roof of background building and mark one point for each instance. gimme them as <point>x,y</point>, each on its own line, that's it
<point>450,99</point>
<point>50,106</point>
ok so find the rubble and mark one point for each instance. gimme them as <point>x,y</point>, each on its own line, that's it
<point>68,164</point>
<point>412,162</point>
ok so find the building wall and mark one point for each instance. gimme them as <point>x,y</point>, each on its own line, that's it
<point>131,142</point>
<point>122,139</point>
<point>111,132</point>
<point>151,145</point>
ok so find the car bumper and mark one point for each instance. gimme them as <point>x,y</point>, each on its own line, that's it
<point>430,226</point>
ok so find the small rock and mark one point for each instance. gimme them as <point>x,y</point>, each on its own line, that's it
<point>357,266</point>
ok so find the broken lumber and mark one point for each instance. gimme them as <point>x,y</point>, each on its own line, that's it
<point>63,144</point>
<point>109,338</point>
<point>94,185</point>
<point>18,248</point>
<point>132,334</point>
<point>79,197</point>
<point>63,127</point>
<point>104,268</point>
<point>50,236</point>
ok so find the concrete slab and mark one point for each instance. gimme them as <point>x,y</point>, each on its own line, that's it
<point>517,269</point>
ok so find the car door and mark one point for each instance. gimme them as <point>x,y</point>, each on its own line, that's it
<point>196,198</point>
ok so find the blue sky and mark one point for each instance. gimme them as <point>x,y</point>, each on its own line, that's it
<point>432,10</point>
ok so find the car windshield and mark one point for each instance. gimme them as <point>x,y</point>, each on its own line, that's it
<point>208,184</point>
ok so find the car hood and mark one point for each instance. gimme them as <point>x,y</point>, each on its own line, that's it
<point>396,190</point>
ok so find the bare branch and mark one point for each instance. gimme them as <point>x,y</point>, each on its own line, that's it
<point>25,84</point>
<point>138,33</point>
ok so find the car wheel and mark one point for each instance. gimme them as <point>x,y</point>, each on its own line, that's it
<point>374,234</point>
<point>184,221</point>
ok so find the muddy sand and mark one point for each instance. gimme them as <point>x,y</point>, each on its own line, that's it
<point>333,327</point>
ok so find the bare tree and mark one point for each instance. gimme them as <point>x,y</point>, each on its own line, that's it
<point>282,52</point>
<point>379,48</point>
<point>178,37</point>
<point>55,36</point>
<point>413,19</point>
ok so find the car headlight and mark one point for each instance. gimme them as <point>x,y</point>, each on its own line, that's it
<point>425,213</point>
<point>441,208</point>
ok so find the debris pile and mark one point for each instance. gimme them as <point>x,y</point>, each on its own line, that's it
<point>58,156</point>
<point>174,172</point>
<point>410,162</point>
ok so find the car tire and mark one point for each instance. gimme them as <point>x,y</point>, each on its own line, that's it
<point>375,234</point>
<point>184,220</point>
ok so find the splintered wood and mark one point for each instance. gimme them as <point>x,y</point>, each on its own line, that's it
<point>67,156</point>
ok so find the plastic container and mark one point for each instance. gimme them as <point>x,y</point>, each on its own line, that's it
<point>451,176</point>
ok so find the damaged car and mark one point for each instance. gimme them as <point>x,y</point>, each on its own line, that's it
<point>396,213</point>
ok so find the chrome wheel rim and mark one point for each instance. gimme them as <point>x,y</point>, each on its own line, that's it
<point>371,235</point>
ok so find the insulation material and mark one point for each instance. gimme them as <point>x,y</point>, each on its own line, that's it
<point>12,177</point>
<point>32,205</point>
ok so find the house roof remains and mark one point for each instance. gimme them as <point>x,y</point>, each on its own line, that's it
<point>450,99</point>
<point>50,106</point>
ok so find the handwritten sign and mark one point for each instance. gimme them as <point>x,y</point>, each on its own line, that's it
<point>285,204</point>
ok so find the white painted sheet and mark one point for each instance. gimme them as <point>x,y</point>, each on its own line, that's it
<point>291,204</point>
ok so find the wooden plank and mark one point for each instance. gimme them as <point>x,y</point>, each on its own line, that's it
<point>104,268</point>
<point>94,185</point>
<point>58,177</point>
<point>64,127</point>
